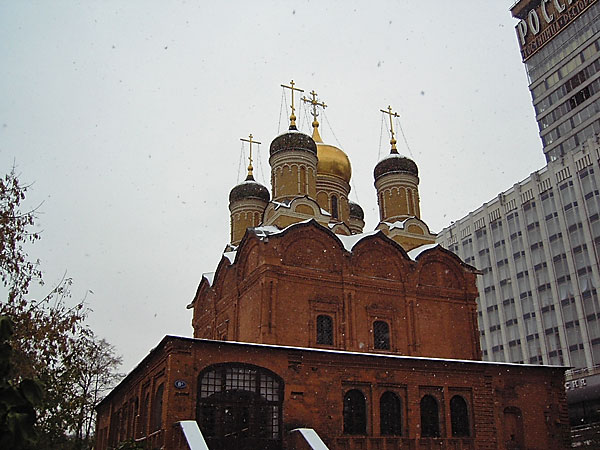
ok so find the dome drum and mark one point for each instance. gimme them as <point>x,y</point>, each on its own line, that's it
<point>396,180</point>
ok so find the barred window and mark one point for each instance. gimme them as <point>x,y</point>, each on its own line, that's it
<point>381,335</point>
<point>430,419</point>
<point>324,330</point>
<point>355,412</point>
<point>240,401</point>
<point>459,416</point>
<point>390,414</point>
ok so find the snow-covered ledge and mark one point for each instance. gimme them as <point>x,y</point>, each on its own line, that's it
<point>193,435</point>
<point>311,438</point>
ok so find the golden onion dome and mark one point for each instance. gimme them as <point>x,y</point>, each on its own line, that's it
<point>331,160</point>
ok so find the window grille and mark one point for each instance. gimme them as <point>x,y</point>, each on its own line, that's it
<point>355,412</point>
<point>430,420</point>
<point>390,414</point>
<point>459,417</point>
<point>324,330</point>
<point>381,335</point>
<point>238,401</point>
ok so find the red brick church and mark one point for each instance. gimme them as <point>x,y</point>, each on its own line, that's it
<point>368,338</point>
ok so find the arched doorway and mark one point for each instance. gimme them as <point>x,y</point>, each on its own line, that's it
<point>240,407</point>
<point>514,438</point>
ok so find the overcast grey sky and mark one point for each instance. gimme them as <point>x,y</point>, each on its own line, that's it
<point>127,115</point>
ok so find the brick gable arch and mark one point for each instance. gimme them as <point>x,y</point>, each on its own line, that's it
<point>249,258</point>
<point>311,246</point>
<point>225,272</point>
<point>377,256</point>
<point>436,268</point>
<point>202,291</point>
<point>203,319</point>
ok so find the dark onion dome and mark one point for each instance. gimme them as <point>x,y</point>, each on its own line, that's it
<point>356,212</point>
<point>293,140</point>
<point>249,189</point>
<point>395,163</point>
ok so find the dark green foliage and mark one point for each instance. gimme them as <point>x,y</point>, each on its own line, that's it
<point>129,444</point>
<point>17,404</point>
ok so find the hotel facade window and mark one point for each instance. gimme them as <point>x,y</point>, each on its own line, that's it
<point>565,83</point>
<point>538,299</point>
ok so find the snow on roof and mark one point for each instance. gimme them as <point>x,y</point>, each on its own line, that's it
<point>284,204</point>
<point>270,230</point>
<point>312,438</point>
<point>209,277</point>
<point>350,241</point>
<point>230,256</point>
<point>290,131</point>
<point>266,230</point>
<point>415,252</point>
<point>287,203</point>
<point>397,224</point>
<point>347,241</point>
<point>378,355</point>
<point>394,155</point>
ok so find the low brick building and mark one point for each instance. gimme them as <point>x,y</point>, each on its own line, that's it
<point>369,338</point>
<point>353,400</point>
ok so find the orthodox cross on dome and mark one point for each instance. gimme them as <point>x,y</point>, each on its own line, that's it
<point>393,139</point>
<point>250,168</point>
<point>314,103</point>
<point>292,116</point>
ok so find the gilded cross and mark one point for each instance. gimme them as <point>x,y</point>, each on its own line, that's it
<point>250,168</point>
<point>292,116</point>
<point>314,103</point>
<point>391,114</point>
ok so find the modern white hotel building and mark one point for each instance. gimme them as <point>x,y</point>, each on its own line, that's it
<point>537,244</point>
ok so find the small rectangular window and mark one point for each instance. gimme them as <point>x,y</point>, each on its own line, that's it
<point>381,335</point>
<point>324,330</point>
